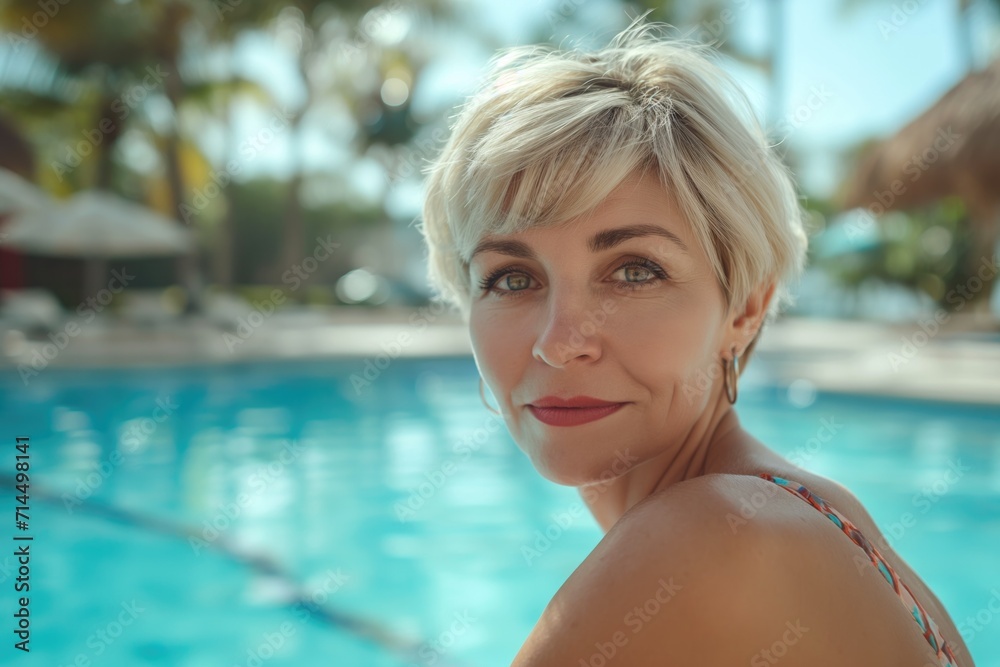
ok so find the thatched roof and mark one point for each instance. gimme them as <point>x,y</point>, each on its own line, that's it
<point>953,148</point>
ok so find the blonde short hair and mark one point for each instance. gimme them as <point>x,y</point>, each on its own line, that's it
<point>552,132</point>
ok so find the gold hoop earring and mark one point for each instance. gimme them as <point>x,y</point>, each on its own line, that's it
<point>726,366</point>
<point>482,397</point>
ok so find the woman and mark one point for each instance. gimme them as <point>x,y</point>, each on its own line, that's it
<point>616,233</point>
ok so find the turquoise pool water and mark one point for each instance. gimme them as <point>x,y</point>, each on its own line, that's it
<point>273,514</point>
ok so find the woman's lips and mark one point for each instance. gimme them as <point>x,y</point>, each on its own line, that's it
<point>572,416</point>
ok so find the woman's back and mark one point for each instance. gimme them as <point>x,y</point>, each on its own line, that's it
<point>763,462</point>
<point>723,569</point>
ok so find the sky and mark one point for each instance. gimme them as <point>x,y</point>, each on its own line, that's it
<point>847,75</point>
<point>878,67</point>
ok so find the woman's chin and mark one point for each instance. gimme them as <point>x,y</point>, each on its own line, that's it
<point>566,468</point>
<point>562,477</point>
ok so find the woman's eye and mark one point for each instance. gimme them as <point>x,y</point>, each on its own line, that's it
<point>637,274</point>
<point>510,282</point>
<point>640,274</point>
<point>515,282</point>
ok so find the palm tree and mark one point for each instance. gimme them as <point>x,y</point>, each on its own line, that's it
<point>122,51</point>
<point>316,33</point>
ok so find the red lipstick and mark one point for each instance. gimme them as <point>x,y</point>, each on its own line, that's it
<point>556,411</point>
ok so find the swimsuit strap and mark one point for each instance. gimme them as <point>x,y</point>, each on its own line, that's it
<point>930,630</point>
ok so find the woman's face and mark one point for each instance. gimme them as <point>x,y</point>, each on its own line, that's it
<point>587,309</point>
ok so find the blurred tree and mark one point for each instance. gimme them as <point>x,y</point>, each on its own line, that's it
<point>341,61</point>
<point>110,49</point>
<point>926,251</point>
<point>16,154</point>
<point>259,202</point>
<point>125,52</point>
<point>111,46</point>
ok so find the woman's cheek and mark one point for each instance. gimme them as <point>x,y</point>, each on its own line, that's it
<point>673,336</point>
<point>497,351</point>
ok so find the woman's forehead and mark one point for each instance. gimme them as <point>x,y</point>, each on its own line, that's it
<point>638,199</point>
<point>659,232</point>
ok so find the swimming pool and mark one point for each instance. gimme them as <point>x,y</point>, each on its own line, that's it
<point>283,514</point>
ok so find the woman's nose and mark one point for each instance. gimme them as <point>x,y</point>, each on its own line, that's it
<point>570,332</point>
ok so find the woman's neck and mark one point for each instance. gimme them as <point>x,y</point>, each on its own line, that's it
<point>717,444</point>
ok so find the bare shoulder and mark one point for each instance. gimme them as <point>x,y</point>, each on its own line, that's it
<point>707,572</point>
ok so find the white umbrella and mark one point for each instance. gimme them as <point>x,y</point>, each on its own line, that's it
<point>17,194</point>
<point>96,225</point>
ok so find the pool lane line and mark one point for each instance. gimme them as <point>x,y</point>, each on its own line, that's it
<point>263,563</point>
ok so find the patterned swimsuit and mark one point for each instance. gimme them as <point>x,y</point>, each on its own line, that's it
<point>944,652</point>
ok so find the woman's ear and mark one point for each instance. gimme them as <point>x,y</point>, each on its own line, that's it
<point>747,323</point>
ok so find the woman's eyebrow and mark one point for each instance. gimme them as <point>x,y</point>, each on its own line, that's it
<point>604,240</point>
<point>610,238</point>
<point>517,249</point>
